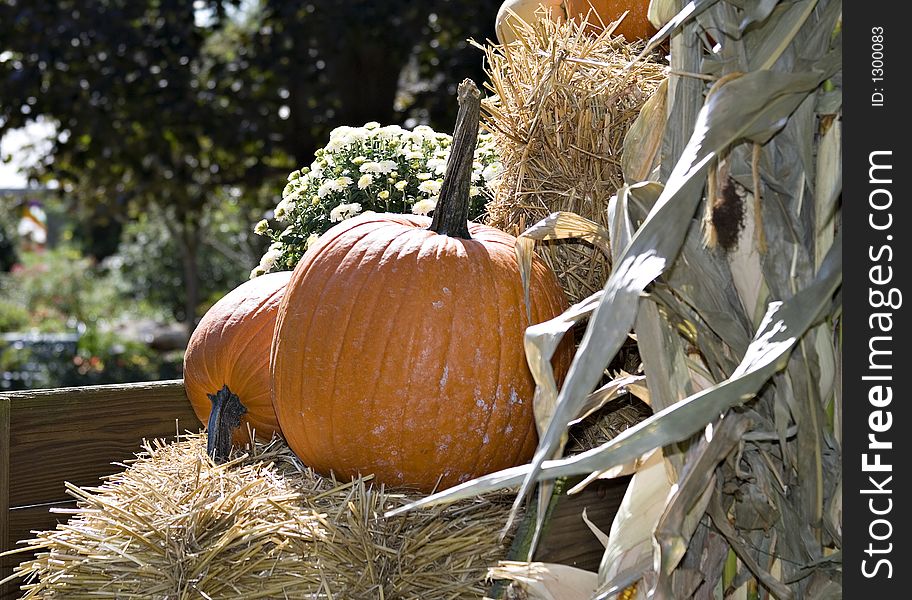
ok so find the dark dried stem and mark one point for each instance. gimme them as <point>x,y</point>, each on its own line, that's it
<point>225,417</point>
<point>452,213</point>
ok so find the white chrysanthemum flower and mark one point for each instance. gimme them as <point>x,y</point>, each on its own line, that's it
<point>311,240</point>
<point>262,227</point>
<point>401,185</point>
<point>423,207</point>
<point>389,132</point>
<point>269,259</point>
<point>474,191</point>
<point>431,186</point>
<point>339,132</point>
<point>423,176</point>
<point>370,167</point>
<point>291,188</point>
<point>344,211</point>
<point>344,182</point>
<point>387,166</point>
<point>284,207</point>
<point>492,171</point>
<point>424,131</point>
<point>336,214</point>
<point>335,144</point>
<point>384,195</point>
<point>327,187</point>
<point>365,180</point>
<point>437,165</point>
<point>371,125</point>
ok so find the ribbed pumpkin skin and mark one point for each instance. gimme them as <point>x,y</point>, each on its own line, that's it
<point>635,26</point>
<point>399,352</point>
<point>230,346</point>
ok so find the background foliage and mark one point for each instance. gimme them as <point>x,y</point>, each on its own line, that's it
<point>176,123</point>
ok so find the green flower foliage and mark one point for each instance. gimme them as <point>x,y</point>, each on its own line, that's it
<point>364,169</point>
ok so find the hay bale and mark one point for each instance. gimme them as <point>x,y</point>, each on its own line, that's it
<point>563,103</point>
<point>175,525</point>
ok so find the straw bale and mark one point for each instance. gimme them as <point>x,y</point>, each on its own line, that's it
<point>562,103</point>
<point>174,525</point>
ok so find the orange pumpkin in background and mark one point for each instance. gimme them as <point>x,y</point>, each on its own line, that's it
<point>635,26</point>
<point>398,349</point>
<point>227,362</point>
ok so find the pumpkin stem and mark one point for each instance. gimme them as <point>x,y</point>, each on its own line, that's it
<point>223,420</point>
<point>452,213</point>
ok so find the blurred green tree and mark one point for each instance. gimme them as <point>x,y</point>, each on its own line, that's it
<point>168,103</point>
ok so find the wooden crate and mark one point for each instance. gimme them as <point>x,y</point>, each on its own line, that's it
<point>79,435</point>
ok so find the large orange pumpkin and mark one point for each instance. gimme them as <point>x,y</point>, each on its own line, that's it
<point>635,26</point>
<point>226,365</point>
<point>398,348</point>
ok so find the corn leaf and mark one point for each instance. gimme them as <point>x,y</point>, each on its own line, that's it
<point>628,554</point>
<point>686,508</point>
<point>828,187</point>
<point>644,138</point>
<point>755,11</point>
<point>779,35</point>
<point>568,225</point>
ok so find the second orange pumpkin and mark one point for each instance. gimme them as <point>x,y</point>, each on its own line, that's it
<point>228,355</point>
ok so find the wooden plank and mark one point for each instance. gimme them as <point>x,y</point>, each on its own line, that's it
<point>5,536</point>
<point>4,470</point>
<point>567,539</point>
<point>75,434</point>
